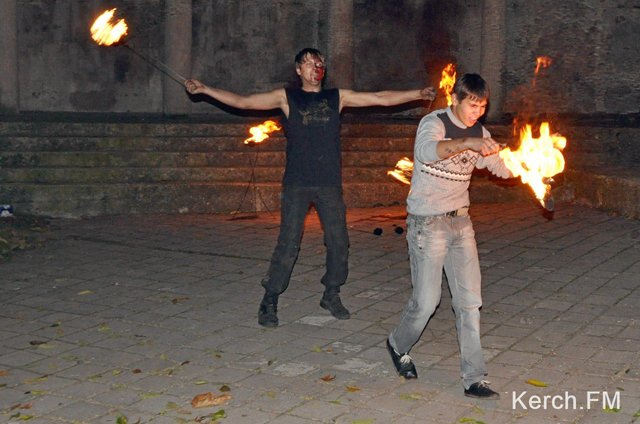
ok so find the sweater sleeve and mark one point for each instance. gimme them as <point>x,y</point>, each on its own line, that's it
<point>430,131</point>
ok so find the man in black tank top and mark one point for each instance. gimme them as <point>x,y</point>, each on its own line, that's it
<point>311,119</point>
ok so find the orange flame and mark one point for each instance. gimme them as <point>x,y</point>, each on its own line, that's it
<point>106,33</point>
<point>402,171</point>
<point>537,159</point>
<point>448,80</point>
<point>262,131</point>
<point>542,62</point>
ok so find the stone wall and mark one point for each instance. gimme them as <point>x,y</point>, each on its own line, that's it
<point>50,64</point>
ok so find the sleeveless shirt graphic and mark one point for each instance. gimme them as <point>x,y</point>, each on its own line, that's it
<point>313,139</point>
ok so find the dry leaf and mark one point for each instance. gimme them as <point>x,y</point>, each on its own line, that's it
<point>4,373</point>
<point>204,400</point>
<point>536,383</point>
<point>179,300</point>
<point>136,371</point>
<point>352,389</point>
<point>328,377</point>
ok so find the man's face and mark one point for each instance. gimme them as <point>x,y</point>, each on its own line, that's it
<point>469,110</point>
<point>311,70</point>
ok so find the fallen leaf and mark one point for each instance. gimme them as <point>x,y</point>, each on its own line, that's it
<point>607,409</point>
<point>353,389</point>
<point>410,396</point>
<point>536,383</point>
<point>122,420</point>
<point>317,349</point>
<point>470,420</point>
<point>84,292</point>
<point>364,421</point>
<point>225,388</point>
<point>204,400</point>
<point>136,371</point>
<point>179,300</point>
<point>328,377</point>
<point>4,373</point>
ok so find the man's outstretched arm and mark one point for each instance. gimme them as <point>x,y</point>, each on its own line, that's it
<point>276,99</point>
<point>350,98</point>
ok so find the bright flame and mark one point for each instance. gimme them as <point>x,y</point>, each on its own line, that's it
<point>537,159</point>
<point>104,32</point>
<point>262,131</point>
<point>402,171</point>
<point>541,62</point>
<point>448,80</point>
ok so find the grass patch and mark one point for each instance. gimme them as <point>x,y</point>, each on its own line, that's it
<point>21,233</point>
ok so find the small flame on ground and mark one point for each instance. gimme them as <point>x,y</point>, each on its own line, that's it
<point>262,131</point>
<point>537,160</point>
<point>448,80</point>
<point>403,170</point>
<point>106,33</point>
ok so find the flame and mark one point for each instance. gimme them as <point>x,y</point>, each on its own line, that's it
<point>261,132</point>
<point>448,80</point>
<point>542,62</point>
<point>104,32</point>
<point>402,171</point>
<point>537,160</point>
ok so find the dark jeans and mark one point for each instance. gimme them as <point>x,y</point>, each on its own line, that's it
<point>332,212</point>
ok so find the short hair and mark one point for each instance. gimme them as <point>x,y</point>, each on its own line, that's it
<point>471,85</point>
<point>308,51</point>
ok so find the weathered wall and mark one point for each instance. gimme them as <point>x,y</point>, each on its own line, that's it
<point>249,45</point>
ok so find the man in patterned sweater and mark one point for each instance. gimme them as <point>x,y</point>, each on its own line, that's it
<point>449,144</point>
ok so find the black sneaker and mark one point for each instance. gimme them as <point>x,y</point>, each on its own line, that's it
<point>268,314</point>
<point>334,305</point>
<point>481,390</point>
<point>403,363</point>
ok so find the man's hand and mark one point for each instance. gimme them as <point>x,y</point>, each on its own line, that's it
<point>428,93</point>
<point>194,86</point>
<point>485,146</point>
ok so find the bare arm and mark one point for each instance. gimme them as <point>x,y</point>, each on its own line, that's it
<point>276,99</point>
<point>350,98</point>
<point>485,146</point>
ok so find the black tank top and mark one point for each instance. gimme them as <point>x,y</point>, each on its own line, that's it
<point>313,139</point>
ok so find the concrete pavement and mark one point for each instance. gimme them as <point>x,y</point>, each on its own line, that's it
<point>127,319</point>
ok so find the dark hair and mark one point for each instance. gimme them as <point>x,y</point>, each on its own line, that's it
<point>471,85</point>
<point>302,54</point>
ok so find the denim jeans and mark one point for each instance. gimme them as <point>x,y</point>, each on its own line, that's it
<point>435,243</point>
<point>332,212</point>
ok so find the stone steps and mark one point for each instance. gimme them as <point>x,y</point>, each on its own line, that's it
<point>73,169</point>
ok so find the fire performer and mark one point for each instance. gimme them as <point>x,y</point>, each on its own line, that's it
<point>449,144</point>
<point>312,173</point>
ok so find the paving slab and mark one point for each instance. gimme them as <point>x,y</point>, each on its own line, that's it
<point>133,316</point>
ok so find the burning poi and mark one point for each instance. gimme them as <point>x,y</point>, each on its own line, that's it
<point>261,132</point>
<point>106,31</point>
<point>404,167</point>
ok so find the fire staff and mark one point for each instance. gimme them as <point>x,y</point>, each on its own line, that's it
<point>449,144</point>
<point>311,117</point>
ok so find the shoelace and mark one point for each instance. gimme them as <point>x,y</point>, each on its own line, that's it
<point>405,359</point>
<point>484,383</point>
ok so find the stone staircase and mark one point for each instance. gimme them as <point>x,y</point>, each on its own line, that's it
<point>74,168</point>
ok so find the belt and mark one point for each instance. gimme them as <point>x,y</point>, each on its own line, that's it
<point>463,211</point>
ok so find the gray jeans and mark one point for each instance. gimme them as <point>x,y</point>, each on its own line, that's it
<point>435,243</point>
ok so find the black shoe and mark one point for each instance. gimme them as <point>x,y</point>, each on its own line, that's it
<point>268,314</point>
<point>403,363</point>
<point>481,390</point>
<point>334,305</point>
